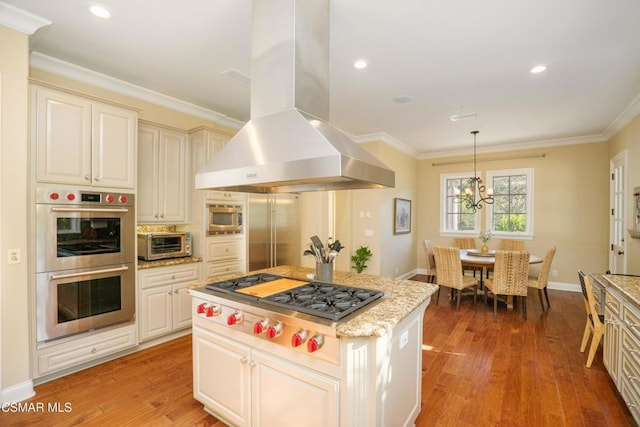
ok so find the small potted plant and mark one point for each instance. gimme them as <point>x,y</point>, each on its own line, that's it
<point>363,254</point>
<point>485,237</point>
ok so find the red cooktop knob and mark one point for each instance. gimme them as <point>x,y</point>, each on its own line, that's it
<point>122,199</point>
<point>315,343</point>
<point>258,327</point>
<point>54,196</point>
<point>298,338</point>
<point>109,198</point>
<point>274,330</point>
<point>71,197</point>
<point>212,311</point>
<point>200,308</point>
<point>234,318</point>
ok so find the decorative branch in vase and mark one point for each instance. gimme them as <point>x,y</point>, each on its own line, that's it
<point>485,237</point>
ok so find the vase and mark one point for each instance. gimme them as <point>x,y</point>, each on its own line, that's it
<point>484,249</point>
<point>324,271</point>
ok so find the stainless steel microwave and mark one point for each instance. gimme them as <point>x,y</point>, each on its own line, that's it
<point>163,245</point>
<point>224,219</point>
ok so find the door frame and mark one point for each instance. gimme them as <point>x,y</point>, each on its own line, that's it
<point>623,160</point>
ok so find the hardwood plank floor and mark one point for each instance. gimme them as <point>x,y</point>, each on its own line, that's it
<point>476,371</point>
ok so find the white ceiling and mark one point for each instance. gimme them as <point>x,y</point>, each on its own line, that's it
<point>449,56</point>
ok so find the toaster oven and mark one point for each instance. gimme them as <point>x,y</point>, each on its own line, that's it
<point>162,245</point>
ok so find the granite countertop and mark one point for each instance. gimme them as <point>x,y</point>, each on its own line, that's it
<point>142,265</point>
<point>401,298</point>
<point>628,286</point>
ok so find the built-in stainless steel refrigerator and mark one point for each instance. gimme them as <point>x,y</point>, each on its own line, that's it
<point>273,226</point>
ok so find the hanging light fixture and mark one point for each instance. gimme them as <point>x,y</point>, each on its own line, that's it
<point>474,187</point>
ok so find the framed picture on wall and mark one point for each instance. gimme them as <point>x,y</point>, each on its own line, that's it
<point>401,216</point>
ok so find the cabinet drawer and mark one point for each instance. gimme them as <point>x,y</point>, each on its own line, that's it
<point>631,398</point>
<point>216,269</point>
<point>67,355</point>
<point>168,276</point>
<point>614,303</point>
<point>220,250</point>
<point>631,360</point>
<point>631,320</point>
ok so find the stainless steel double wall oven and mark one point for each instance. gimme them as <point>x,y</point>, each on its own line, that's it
<point>85,268</point>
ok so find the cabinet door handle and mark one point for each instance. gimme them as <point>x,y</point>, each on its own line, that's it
<point>87,178</point>
<point>253,363</point>
<point>97,178</point>
<point>244,359</point>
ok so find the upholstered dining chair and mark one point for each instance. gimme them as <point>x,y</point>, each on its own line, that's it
<point>595,321</point>
<point>510,277</point>
<point>511,245</point>
<point>431,261</point>
<point>450,275</point>
<point>540,282</point>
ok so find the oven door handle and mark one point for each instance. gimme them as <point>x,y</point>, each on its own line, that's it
<point>87,273</point>
<point>107,210</point>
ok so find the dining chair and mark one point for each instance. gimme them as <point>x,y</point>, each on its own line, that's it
<point>510,277</point>
<point>467,243</point>
<point>511,245</point>
<point>431,261</point>
<point>595,321</point>
<point>541,281</point>
<point>450,275</point>
<point>464,242</point>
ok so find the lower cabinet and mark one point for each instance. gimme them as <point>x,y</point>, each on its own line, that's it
<point>247,373</point>
<point>225,255</point>
<point>622,348</point>
<point>612,331</point>
<point>67,354</point>
<point>165,303</point>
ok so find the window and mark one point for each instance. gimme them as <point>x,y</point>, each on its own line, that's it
<point>512,211</point>
<point>455,218</point>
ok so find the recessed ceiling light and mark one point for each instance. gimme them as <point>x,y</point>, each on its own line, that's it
<point>538,69</point>
<point>402,99</point>
<point>100,12</point>
<point>360,64</point>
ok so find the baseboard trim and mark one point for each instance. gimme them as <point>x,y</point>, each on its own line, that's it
<point>18,392</point>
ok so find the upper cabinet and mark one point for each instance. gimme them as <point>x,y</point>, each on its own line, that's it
<point>206,143</point>
<point>81,141</point>
<point>162,175</point>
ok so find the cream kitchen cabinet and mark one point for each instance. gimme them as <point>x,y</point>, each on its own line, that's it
<point>224,255</point>
<point>162,175</point>
<point>612,334</point>
<point>251,385</point>
<point>205,143</point>
<point>81,141</point>
<point>165,303</point>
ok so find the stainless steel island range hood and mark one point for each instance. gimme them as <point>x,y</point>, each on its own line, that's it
<point>288,145</point>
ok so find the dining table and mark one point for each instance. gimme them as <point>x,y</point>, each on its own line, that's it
<point>487,260</point>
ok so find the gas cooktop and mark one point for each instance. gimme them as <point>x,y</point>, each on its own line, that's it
<point>321,299</point>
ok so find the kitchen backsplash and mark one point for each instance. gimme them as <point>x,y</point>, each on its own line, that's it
<point>155,228</point>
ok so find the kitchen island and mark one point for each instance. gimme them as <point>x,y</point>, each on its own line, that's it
<point>363,370</point>
<point>619,300</point>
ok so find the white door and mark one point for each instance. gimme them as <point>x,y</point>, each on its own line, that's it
<point>617,257</point>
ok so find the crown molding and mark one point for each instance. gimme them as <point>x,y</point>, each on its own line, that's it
<point>524,145</point>
<point>20,20</point>
<point>387,139</point>
<point>85,75</point>
<point>624,118</point>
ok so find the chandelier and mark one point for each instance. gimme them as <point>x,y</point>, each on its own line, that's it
<point>474,187</point>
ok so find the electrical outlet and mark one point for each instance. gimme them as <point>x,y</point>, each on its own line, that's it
<point>554,273</point>
<point>14,256</point>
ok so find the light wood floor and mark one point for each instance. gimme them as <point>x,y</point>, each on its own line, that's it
<point>476,371</point>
